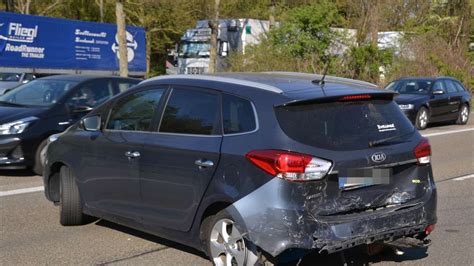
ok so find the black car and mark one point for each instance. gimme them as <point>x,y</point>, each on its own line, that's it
<point>249,168</point>
<point>32,112</point>
<point>426,100</point>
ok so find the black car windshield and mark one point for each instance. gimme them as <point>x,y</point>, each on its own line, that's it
<point>345,125</point>
<point>410,86</point>
<point>39,92</point>
<point>10,77</point>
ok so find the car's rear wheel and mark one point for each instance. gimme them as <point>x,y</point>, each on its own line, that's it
<point>70,207</point>
<point>463,115</point>
<point>422,118</point>
<point>40,157</point>
<point>225,244</point>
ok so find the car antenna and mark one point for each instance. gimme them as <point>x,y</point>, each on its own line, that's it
<point>321,81</point>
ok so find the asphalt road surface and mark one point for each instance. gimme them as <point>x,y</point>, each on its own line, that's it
<point>30,233</point>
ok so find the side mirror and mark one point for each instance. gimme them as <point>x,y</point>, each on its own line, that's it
<point>82,109</point>
<point>438,92</point>
<point>224,49</point>
<point>91,123</point>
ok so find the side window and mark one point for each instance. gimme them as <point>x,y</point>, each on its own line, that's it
<point>402,87</point>
<point>459,86</point>
<point>438,86</point>
<point>29,77</point>
<point>191,112</point>
<point>135,112</point>
<point>238,115</point>
<point>451,88</point>
<point>124,85</point>
<point>92,94</point>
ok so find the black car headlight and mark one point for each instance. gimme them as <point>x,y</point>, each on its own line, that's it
<point>16,127</point>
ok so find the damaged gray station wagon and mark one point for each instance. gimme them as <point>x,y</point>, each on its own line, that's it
<point>249,168</point>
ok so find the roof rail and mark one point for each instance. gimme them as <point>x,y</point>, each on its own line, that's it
<point>219,79</point>
<point>327,78</point>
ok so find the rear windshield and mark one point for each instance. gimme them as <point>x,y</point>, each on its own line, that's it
<point>344,125</point>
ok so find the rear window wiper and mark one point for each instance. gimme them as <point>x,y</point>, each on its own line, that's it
<point>378,142</point>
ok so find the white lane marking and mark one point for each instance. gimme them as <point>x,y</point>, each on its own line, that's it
<point>21,191</point>
<point>447,132</point>
<point>461,178</point>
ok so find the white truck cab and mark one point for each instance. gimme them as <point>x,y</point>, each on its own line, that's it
<point>233,36</point>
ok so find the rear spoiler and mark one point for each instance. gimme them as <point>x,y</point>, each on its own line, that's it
<point>342,98</point>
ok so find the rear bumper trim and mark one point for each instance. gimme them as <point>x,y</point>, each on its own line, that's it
<point>389,235</point>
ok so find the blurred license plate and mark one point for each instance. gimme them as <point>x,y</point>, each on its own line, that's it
<point>357,178</point>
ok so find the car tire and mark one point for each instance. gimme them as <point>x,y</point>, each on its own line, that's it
<point>212,235</point>
<point>70,206</point>
<point>422,118</point>
<point>39,157</point>
<point>463,115</point>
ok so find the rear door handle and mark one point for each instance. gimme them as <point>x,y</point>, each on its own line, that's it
<point>132,154</point>
<point>204,163</point>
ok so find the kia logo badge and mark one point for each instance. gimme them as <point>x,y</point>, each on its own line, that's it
<point>378,157</point>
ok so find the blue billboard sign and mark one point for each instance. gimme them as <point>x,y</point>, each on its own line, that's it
<point>37,42</point>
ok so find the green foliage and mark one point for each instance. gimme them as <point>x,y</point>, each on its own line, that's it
<point>298,44</point>
<point>305,30</point>
<point>263,57</point>
<point>363,62</point>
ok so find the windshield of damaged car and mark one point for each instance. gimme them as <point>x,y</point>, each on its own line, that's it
<point>38,92</point>
<point>410,86</point>
<point>10,77</point>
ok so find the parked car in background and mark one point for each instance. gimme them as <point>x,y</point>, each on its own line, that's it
<point>426,100</point>
<point>249,167</point>
<point>32,112</point>
<point>11,80</point>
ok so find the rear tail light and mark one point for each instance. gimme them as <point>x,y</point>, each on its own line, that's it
<point>429,229</point>
<point>290,166</point>
<point>423,152</point>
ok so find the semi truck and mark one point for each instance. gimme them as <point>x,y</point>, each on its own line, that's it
<point>40,45</point>
<point>234,35</point>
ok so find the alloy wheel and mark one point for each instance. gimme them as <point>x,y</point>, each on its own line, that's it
<point>464,114</point>
<point>227,245</point>
<point>423,119</point>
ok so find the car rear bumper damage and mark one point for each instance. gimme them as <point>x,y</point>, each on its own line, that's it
<point>278,221</point>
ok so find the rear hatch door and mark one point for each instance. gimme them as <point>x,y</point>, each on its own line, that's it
<point>371,145</point>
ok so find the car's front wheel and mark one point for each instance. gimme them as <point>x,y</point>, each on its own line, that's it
<point>422,118</point>
<point>225,244</point>
<point>463,115</point>
<point>70,207</point>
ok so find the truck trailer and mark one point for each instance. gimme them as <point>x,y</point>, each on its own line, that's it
<point>42,46</point>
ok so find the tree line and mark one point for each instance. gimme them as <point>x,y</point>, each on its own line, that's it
<point>437,33</point>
